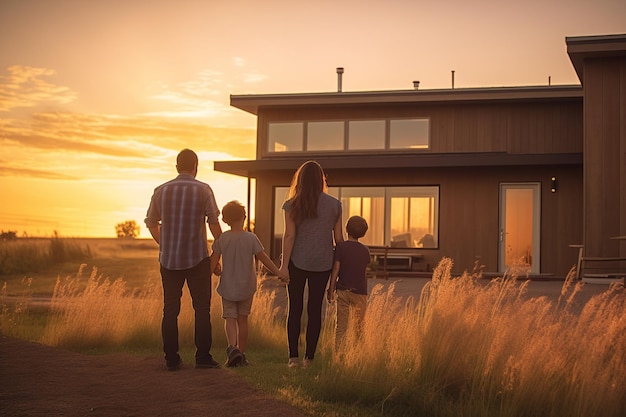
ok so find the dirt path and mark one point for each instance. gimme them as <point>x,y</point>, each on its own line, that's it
<point>38,380</point>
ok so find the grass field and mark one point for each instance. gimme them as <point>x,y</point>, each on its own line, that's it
<point>134,260</point>
<point>459,348</point>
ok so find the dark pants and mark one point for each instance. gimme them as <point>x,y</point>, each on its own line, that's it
<point>317,282</point>
<point>199,283</point>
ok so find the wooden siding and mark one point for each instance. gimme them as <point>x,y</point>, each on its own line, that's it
<point>527,127</point>
<point>622,161</point>
<point>605,156</point>
<point>588,207</point>
<point>469,204</point>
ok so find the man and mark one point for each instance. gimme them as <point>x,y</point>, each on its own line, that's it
<point>177,216</point>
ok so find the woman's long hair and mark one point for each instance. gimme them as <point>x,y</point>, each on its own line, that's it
<point>307,184</point>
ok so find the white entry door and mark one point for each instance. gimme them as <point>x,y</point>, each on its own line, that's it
<point>520,211</point>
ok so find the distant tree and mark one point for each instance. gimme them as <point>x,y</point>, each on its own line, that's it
<point>8,235</point>
<point>127,229</point>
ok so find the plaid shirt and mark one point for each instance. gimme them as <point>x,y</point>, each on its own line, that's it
<point>183,207</point>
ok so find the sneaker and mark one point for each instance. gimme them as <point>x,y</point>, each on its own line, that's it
<point>293,363</point>
<point>207,363</point>
<point>234,356</point>
<point>175,364</point>
<point>244,361</point>
<point>306,362</point>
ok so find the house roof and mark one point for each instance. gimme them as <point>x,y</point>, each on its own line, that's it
<point>580,48</point>
<point>426,160</point>
<point>253,102</point>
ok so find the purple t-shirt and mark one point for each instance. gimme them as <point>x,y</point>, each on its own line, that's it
<point>353,259</point>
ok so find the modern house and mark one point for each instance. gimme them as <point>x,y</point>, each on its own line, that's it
<point>481,175</point>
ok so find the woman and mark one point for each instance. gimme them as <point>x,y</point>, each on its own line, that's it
<point>312,220</point>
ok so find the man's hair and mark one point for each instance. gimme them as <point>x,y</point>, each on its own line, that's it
<point>233,211</point>
<point>186,160</point>
<point>356,227</point>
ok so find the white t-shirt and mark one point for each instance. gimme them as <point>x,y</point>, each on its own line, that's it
<point>239,275</point>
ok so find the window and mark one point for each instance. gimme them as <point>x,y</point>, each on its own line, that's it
<point>285,137</point>
<point>413,216</point>
<point>280,193</point>
<point>397,216</point>
<point>325,136</point>
<point>409,133</point>
<point>369,203</point>
<point>360,135</point>
<point>366,134</point>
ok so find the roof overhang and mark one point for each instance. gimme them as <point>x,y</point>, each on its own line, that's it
<point>251,169</point>
<point>253,102</point>
<point>580,48</point>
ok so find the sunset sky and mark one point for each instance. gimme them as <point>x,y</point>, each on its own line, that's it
<point>98,97</point>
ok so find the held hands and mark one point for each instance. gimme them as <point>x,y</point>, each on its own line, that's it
<point>283,275</point>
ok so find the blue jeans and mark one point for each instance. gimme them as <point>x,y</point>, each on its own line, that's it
<point>317,282</point>
<point>199,283</point>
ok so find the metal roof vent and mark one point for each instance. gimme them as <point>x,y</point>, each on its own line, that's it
<point>339,75</point>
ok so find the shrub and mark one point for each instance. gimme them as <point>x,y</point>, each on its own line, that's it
<point>32,255</point>
<point>21,256</point>
<point>63,250</point>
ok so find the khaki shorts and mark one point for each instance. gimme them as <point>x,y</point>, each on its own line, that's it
<point>234,309</point>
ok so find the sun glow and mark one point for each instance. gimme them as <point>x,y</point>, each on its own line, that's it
<point>95,107</point>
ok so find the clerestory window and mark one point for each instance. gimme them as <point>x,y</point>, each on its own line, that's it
<point>349,135</point>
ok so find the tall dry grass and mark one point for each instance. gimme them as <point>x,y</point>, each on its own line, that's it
<point>97,313</point>
<point>16,318</point>
<point>466,349</point>
<point>462,347</point>
<point>268,317</point>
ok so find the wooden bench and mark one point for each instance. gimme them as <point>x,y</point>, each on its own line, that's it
<point>602,270</point>
<point>388,258</point>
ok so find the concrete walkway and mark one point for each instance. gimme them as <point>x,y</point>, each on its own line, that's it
<point>536,288</point>
<point>412,286</point>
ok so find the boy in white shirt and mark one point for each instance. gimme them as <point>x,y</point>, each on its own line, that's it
<point>238,249</point>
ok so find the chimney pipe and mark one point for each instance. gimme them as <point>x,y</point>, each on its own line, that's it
<point>453,79</point>
<point>416,85</point>
<point>339,75</point>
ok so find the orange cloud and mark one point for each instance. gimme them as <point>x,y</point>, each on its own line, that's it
<point>25,87</point>
<point>33,173</point>
<point>64,145</point>
<point>123,136</point>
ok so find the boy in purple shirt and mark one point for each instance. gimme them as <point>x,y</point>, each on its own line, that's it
<point>348,279</point>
